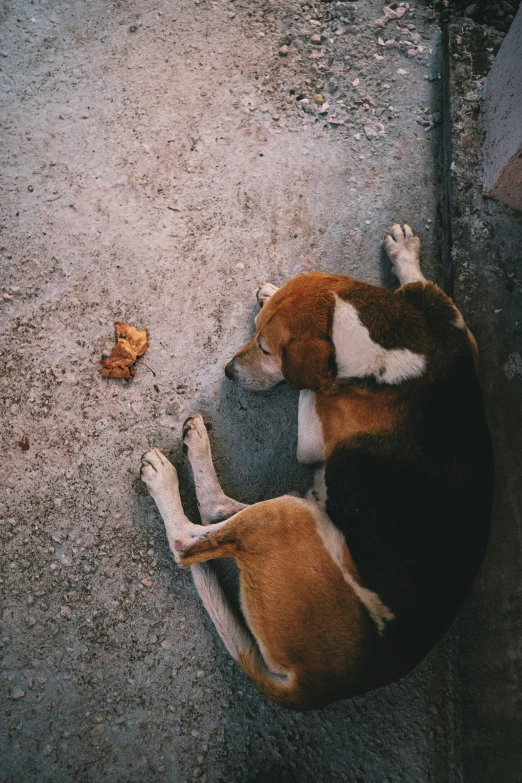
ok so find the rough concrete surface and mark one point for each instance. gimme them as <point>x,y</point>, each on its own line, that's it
<point>503,137</point>
<point>487,253</point>
<point>159,160</point>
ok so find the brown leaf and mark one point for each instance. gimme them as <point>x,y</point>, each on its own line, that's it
<point>24,443</point>
<point>130,344</point>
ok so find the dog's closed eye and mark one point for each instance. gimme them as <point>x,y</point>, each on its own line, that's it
<point>267,353</point>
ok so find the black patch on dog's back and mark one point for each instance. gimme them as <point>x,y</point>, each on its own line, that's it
<point>414,506</point>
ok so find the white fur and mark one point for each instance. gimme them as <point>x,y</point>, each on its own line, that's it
<point>318,491</point>
<point>264,292</point>
<point>357,355</point>
<point>213,504</point>
<point>161,478</point>
<point>310,440</point>
<point>403,249</point>
<point>334,544</point>
<point>235,636</point>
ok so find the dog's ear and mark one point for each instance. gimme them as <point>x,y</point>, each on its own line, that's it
<point>309,364</point>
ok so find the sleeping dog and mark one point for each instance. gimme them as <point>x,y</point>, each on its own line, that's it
<point>349,588</point>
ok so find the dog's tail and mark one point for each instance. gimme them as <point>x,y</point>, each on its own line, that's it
<point>240,643</point>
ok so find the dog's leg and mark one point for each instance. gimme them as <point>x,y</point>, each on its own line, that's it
<point>214,505</point>
<point>185,540</point>
<point>161,478</point>
<point>264,292</point>
<point>403,249</point>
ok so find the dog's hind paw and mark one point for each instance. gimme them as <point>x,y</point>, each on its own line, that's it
<point>403,249</point>
<point>195,438</point>
<point>402,243</point>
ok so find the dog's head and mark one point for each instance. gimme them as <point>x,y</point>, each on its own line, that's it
<point>318,331</point>
<point>293,339</point>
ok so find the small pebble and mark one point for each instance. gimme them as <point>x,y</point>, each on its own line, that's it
<point>18,694</point>
<point>316,38</point>
<point>30,188</point>
<point>319,99</point>
<point>65,611</point>
<point>147,582</point>
<point>283,51</point>
<point>7,297</point>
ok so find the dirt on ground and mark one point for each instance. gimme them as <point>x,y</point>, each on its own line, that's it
<point>158,161</point>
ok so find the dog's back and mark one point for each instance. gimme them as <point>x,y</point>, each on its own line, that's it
<point>414,501</point>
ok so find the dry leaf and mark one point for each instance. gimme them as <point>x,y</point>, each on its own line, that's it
<point>24,443</point>
<point>130,344</point>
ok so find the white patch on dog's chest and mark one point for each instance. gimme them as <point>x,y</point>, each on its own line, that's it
<point>357,355</point>
<point>310,440</point>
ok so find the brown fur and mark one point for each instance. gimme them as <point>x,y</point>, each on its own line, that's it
<point>306,617</point>
<point>296,325</point>
<point>355,411</point>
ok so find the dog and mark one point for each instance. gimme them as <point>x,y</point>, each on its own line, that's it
<point>348,589</point>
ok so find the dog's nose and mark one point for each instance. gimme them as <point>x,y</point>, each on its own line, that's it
<point>230,371</point>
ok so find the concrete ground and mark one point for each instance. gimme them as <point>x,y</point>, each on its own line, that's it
<point>159,160</point>
<point>487,254</point>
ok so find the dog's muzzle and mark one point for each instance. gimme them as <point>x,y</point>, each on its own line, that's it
<point>231,370</point>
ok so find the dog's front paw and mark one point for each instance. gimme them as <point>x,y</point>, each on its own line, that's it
<point>264,292</point>
<point>158,473</point>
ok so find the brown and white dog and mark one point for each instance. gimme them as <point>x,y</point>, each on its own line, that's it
<point>348,589</point>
